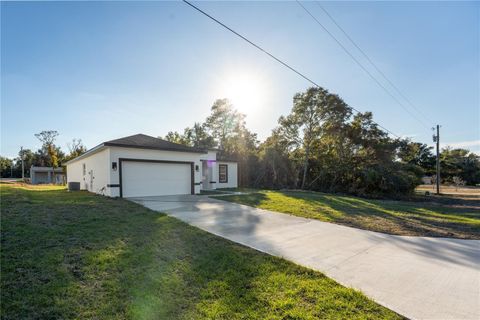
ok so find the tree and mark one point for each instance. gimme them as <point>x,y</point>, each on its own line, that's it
<point>48,140</point>
<point>470,169</point>
<point>75,148</point>
<point>320,146</point>
<point>6,166</point>
<point>418,154</point>
<point>175,137</point>
<point>28,160</point>
<point>198,136</point>
<point>222,123</point>
<point>461,163</point>
<point>277,169</point>
<point>314,112</point>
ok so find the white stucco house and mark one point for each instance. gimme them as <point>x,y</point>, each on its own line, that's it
<point>141,165</point>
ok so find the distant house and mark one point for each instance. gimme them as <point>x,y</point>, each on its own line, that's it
<point>427,180</point>
<point>141,165</point>
<point>39,175</point>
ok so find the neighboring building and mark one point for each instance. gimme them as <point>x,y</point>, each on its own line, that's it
<point>40,175</point>
<point>427,180</point>
<point>142,165</point>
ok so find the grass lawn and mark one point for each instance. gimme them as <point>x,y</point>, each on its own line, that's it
<point>77,255</point>
<point>394,217</point>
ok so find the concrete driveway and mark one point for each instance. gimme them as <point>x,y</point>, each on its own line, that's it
<point>418,277</point>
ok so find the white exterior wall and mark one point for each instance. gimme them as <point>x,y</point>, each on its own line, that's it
<point>211,155</point>
<point>120,152</point>
<point>98,163</point>
<point>106,180</point>
<point>232,175</point>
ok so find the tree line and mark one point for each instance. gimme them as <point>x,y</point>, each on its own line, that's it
<point>49,155</point>
<point>322,145</point>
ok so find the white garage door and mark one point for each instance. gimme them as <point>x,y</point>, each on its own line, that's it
<point>141,179</point>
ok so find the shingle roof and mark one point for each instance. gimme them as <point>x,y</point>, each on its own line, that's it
<point>142,141</point>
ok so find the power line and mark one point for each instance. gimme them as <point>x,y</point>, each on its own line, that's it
<point>361,65</point>
<point>372,63</point>
<point>273,57</point>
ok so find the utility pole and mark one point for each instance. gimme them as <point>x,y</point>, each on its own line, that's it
<point>436,138</point>
<point>22,157</point>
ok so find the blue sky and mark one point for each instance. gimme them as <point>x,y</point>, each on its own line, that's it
<point>103,70</point>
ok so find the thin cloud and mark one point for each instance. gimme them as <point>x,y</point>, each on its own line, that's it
<point>462,144</point>
<point>411,136</point>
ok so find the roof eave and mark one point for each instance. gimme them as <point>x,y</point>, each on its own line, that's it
<point>109,144</point>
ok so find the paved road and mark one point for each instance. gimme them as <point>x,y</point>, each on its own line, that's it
<point>420,278</point>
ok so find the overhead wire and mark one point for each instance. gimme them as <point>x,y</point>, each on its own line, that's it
<point>362,66</point>
<point>273,57</point>
<point>372,63</point>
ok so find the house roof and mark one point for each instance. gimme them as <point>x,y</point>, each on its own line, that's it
<point>140,141</point>
<point>45,169</point>
<point>221,157</point>
<point>143,141</point>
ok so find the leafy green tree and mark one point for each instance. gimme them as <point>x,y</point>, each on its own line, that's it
<point>198,136</point>
<point>47,138</point>
<point>6,166</point>
<point>470,169</point>
<point>418,154</point>
<point>277,170</point>
<point>175,137</point>
<point>461,163</point>
<point>314,112</point>
<point>28,160</point>
<point>41,158</point>
<point>223,123</point>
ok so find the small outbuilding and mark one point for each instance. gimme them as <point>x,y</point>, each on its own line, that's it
<point>41,175</point>
<point>141,165</point>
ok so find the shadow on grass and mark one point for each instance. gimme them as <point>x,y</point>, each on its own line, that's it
<point>393,217</point>
<point>77,255</point>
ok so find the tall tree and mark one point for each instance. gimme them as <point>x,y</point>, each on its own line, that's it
<point>47,138</point>
<point>223,121</point>
<point>277,170</point>
<point>314,112</point>
<point>461,163</point>
<point>176,137</point>
<point>6,166</point>
<point>28,160</point>
<point>197,136</point>
<point>418,154</point>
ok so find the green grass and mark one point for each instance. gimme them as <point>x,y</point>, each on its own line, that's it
<point>74,255</point>
<point>394,217</point>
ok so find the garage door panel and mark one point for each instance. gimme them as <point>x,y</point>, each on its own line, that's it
<point>141,179</point>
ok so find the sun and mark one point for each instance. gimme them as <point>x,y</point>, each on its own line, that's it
<point>247,92</point>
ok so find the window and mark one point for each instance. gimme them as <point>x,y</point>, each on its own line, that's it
<point>84,169</point>
<point>223,173</point>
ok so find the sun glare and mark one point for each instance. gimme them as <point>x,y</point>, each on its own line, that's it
<point>246,92</point>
